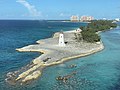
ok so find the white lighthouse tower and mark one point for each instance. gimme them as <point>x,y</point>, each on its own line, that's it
<point>61,39</point>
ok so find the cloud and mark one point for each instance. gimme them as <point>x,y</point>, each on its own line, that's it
<point>64,15</point>
<point>61,14</point>
<point>32,10</point>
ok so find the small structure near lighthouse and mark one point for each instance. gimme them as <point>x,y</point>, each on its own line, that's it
<point>61,39</point>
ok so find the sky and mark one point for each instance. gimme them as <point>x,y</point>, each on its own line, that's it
<point>58,9</point>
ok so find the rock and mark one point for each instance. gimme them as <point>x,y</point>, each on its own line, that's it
<point>73,66</point>
<point>59,78</point>
<point>34,75</point>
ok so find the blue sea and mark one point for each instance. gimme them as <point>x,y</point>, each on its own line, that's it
<point>99,71</point>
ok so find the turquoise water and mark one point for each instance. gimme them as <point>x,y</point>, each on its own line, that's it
<point>100,71</point>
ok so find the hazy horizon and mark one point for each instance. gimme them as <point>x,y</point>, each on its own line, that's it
<point>58,9</point>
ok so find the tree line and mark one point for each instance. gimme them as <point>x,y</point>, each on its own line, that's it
<point>89,32</point>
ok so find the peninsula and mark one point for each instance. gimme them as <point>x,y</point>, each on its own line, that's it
<point>61,47</point>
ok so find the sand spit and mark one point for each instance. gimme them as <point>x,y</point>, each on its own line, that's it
<point>54,54</point>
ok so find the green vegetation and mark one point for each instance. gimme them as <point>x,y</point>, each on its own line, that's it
<point>89,32</point>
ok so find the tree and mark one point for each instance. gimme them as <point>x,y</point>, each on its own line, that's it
<point>89,32</point>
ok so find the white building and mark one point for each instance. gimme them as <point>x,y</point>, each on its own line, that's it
<point>61,39</point>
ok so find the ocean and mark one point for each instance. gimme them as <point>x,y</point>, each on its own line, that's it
<point>99,71</point>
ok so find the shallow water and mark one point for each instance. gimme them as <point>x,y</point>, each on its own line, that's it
<point>100,71</point>
<point>18,33</point>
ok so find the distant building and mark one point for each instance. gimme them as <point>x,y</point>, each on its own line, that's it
<point>74,18</point>
<point>86,18</point>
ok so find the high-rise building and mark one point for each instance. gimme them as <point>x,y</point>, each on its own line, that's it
<point>74,18</point>
<point>86,18</point>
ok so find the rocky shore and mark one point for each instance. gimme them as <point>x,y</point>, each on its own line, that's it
<point>52,54</point>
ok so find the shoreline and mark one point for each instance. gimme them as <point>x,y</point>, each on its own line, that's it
<point>74,57</point>
<point>38,63</point>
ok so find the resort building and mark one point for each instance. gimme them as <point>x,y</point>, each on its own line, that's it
<point>86,18</point>
<point>74,18</point>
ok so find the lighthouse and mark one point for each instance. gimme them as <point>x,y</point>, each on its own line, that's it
<point>61,39</point>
